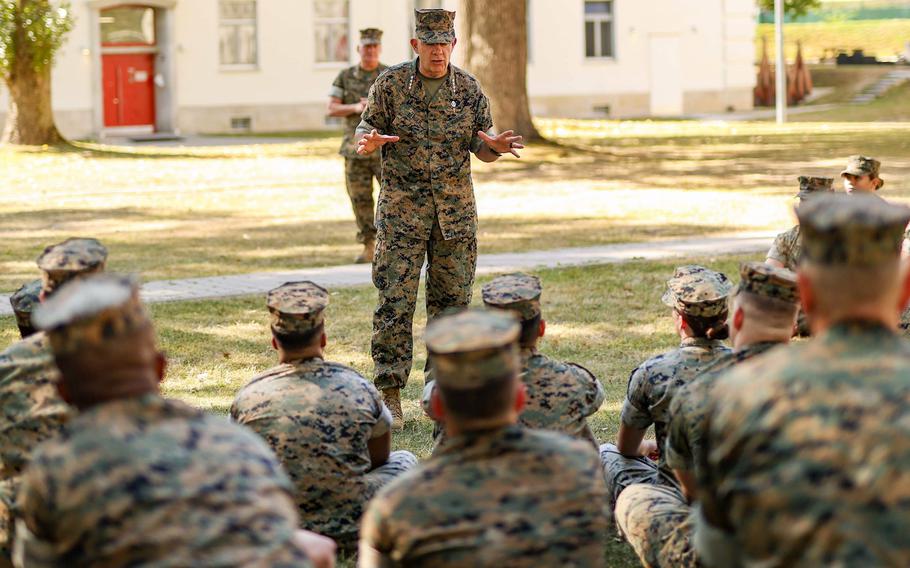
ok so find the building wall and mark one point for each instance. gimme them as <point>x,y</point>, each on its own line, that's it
<point>287,89</point>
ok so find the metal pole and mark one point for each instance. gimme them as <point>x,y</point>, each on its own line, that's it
<point>781,75</point>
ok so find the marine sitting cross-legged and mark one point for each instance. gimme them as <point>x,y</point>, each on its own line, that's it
<point>139,480</point>
<point>657,520</point>
<point>698,298</point>
<point>559,396</point>
<point>497,494</point>
<point>807,452</point>
<point>326,423</point>
<point>31,410</point>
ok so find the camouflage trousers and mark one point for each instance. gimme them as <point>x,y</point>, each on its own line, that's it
<point>358,179</point>
<point>345,523</point>
<point>658,523</point>
<point>8,490</point>
<point>396,274</point>
<point>621,472</point>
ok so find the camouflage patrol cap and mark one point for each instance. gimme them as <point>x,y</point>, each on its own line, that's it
<point>859,230</point>
<point>811,185</point>
<point>435,25</point>
<point>24,301</point>
<point>472,348</point>
<point>768,281</point>
<point>70,259</point>
<point>370,36</point>
<point>297,307</point>
<point>90,312</point>
<point>697,291</point>
<point>517,292</point>
<point>862,166</point>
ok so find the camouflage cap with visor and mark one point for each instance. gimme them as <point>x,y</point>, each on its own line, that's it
<point>370,36</point>
<point>769,281</point>
<point>862,166</point>
<point>697,291</point>
<point>73,258</point>
<point>851,230</point>
<point>516,292</point>
<point>473,348</point>
<point>91,312</point>
<point>435,25</point>
<point>297,307</point>
<point>810,186</point>
<point>24,301</point>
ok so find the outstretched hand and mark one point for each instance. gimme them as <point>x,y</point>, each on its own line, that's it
<point>371,142</point>
<point>505,142</point>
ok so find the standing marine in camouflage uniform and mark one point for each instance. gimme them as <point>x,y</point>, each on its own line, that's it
<point>807,452</point>
<point>655,519</point>
<point>23,302</point>
<point>560,396</point>
<point>427,116</point>
<point>497,494</point>
<point>135,479</point>
<point>862,175</point>
<point>347,99</point>
<point>326,423</point>
<point>698,297</point>
<point>32,410</point>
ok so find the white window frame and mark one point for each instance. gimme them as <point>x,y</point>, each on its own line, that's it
<point>319,20</point>
<point>597,20</point>
<point>236,22</point>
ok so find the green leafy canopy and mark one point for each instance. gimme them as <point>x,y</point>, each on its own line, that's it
<point>792,8</point>
<point>33,30</point>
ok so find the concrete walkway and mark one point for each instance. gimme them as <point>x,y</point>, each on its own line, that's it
<point>359,275</point>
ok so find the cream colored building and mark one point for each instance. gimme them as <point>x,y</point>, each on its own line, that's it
<point>205,66</point>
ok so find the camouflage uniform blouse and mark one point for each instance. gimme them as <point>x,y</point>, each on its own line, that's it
<point>426,175</point>
<point>153,482</point>
<point>687,411</point>
<point>351,85</point>
<point>560,395</point>
<point>808,454</point>
<point>786,248</point>
<point>654,383</point>
<point>318,417</point>
<point>505,497</point>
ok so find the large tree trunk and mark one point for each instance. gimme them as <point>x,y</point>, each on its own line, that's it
<point>496,52</point>
<point>30,119</point>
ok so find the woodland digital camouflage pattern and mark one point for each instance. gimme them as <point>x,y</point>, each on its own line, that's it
<point>426,204</point>
<point>786,248</point>
<point>70,259</point>
<point>318,417</point>
<point>859,230</point>
<point>768,281</point>
<point>862,166</point>
<point>657,523</point>
<point>23,301</point>
<point>297,307</point>
<point>504,497</point>
<point>396,274</point>
<point>434,25</point>
<point>516,292</point>
<point>351,85</point>
<point>811,185</point>
<point>651,388</point>
<point>697,291</point>
<point>151,482</point>
<point>809,465</point>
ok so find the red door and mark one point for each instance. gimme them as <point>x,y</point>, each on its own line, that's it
<point>129,89</point>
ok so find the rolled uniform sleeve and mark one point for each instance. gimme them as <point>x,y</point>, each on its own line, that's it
<point>425,399</point>
<point>780,249</point>
<point>483,121</point>
<point>635,411</point>
<point>592,390</point>
<point>337,88</point>
<point>381,414</point>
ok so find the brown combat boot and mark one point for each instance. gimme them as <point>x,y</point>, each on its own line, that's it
<point>392,399</point>
<point>369,249</point>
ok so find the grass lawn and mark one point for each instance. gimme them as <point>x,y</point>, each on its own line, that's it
<point>894,106</point>
<point>881,38</point>
<point>845,81</point>
<point>608,318</point>
<point>178,213</point>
